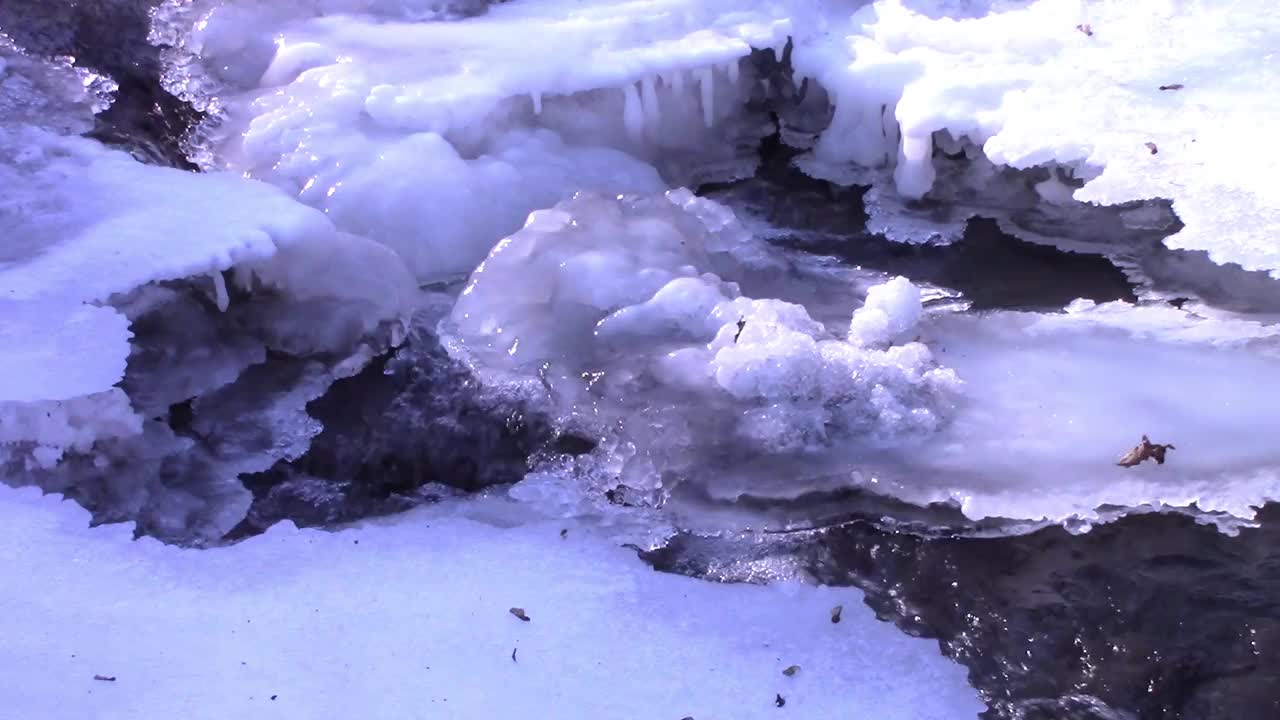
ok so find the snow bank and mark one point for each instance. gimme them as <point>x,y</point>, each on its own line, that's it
<point>372,620</point>
<point>624,319</point>
<point>1151,101</point>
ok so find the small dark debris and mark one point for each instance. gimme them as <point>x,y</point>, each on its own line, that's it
<point>742,323</point>
<point>791,670</point>
<point>519,612</point>
<point>273,697</point>
<point>1174,86</point>
<point>1178,302</point>
<point>513,654</point>
<point>1152,147</point>
<point>779,700</point>
<point>357,542</point>
<point>1085,28</point>
<point>105,678</point>
<point>687,717</point>
<point>835,613</point>
<point>564,532</point>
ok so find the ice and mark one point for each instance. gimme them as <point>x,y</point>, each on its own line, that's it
<point>1051,402</point>
<point>625,320</point>
<point>437,138</point>
<point>1032,90</point>
<point>413,612</point>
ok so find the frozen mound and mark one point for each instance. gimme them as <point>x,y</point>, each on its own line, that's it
<point>373,597</point>
<point>622,317</point>
<point>1124,103</point>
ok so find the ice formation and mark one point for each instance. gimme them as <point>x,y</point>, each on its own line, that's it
<point>625,317</point>
<point>356,148</point>
<point>373,619</point>
<point>437,138</point>
<point>86,226</point>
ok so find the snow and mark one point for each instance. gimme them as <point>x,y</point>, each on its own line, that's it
<point>1032,90</point>
<point>413,613</point>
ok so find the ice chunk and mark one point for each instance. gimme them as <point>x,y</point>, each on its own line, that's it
<point>239,617</point>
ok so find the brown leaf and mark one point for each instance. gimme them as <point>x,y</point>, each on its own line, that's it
<point>564,532</point>
<point>104,678</point>
<point>1143,451</point>
<point>1174,86</point>
<point>513,654</point>
<point>1152,147</point>
<point>742,324</point>
<point>519,612</point>
<point>779,700</point>
<point>792,670</point>
<point>1085,28</point>
<point>835,613</point>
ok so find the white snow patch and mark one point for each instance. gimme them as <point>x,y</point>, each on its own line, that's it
<point>413,612</point>
<point>1032,89</point>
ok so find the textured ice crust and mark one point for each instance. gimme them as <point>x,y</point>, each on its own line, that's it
<point>623,318</point>
<point>1156,101</point>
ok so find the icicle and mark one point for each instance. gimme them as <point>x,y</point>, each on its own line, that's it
<point>537,102</point>
<point>649,96</point>
<point>220,288</point>
<point>677,82</point>
<point>706,83</point>
<point>733,71</point>
<point>632,112</point>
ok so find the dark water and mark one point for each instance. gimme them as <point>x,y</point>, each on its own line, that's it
<point>1151,617</point>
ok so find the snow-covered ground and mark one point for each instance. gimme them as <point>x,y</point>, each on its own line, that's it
<point>410,617</point>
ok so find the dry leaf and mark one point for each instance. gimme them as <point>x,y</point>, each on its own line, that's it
<point>1145,450</point>
<point>791,670</point>
<point>104,678</point>
<point>519,612</point>
<point>1174,86</point>
<point>742,323</point>
<point>835,613</point>
<point>513,654</point>
<point>779,700</point>
<point>1085,28</point>
<point>1152,147</point>
<point>564,532</point>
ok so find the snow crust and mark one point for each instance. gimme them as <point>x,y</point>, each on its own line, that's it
<point>1028,87</point>
<point>414,613</point>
